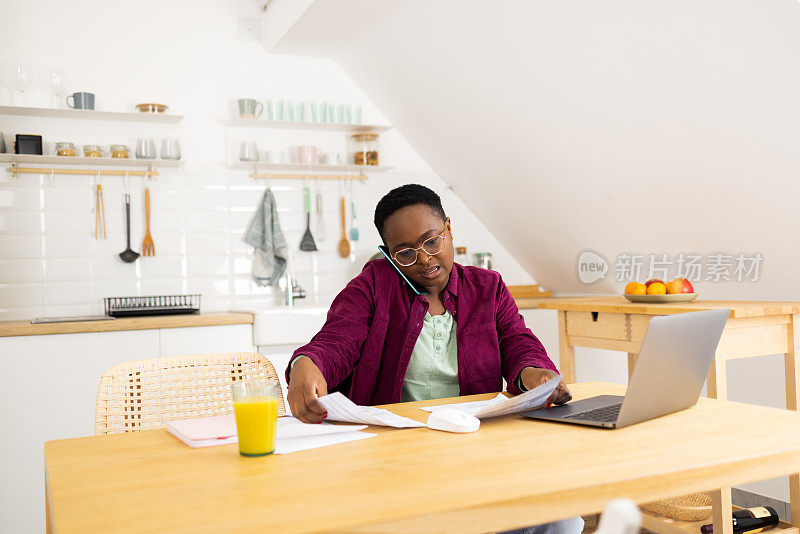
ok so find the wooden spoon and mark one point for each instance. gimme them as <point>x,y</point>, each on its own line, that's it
<point>344,244</point>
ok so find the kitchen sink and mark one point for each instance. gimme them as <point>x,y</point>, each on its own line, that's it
<point>287,326</point>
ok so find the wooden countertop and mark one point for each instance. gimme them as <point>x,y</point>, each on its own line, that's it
<point>25,328</point>
<point>619,304</point>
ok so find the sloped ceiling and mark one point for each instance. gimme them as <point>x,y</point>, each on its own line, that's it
<point>620,126</point>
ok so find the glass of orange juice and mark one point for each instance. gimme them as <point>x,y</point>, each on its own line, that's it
<point>255,404</point>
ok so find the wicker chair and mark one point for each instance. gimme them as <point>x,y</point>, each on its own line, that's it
<point>146,394</point>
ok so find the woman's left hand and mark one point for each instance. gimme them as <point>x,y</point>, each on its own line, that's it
<point>534,376</point>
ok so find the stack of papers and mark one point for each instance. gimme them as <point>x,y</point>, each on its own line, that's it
<point>292,434</point>
<point>340,408</point>
<point>502,405</point>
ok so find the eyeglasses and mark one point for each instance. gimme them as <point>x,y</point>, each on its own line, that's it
<point>431,247</point>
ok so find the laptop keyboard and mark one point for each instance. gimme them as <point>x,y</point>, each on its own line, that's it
<point>606,414</point>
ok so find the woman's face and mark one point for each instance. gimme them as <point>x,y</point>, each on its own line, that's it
<point>412,226</point>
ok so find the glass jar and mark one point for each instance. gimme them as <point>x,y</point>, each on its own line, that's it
<point>92,151</point>
<point>65,148</point>
<point>365,148</point>
<point>461,256</point>
<point>483,260</point>
<point>119,151</point>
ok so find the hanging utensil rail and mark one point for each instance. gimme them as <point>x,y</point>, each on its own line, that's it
<point>91,172</point>
<point>311,176</point>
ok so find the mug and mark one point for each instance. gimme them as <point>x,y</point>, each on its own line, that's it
<point>248,151</point>
<point>275,156</point>
<point>308,155</point>
<point>250,108</point>
<point>81,100</point>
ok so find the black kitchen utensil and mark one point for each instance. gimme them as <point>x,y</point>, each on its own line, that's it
<point>128,255</point>
<point>307,244</point>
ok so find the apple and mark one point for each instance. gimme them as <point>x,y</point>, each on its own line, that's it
<point>680,285</point>
<point>653,281</point>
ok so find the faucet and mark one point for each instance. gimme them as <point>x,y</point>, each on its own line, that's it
<point>293,291</point>
<point>288,299</point>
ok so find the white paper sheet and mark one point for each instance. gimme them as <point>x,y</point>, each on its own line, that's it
<point>502,405</point>
<point>288,445</point>
<point>291,434</point>
<point>340,408</point>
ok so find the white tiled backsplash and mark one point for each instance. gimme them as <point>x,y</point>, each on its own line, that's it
<point>51,265</point>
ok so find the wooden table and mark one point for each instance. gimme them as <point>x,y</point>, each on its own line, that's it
<point>512,473</point>
<point>754,328</point>
<point>614,323</point>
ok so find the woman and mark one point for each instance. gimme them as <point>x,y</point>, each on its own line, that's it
<point>384,343</point>
<point>447,330</point>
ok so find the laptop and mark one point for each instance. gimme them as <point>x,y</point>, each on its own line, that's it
<point>673,362</point>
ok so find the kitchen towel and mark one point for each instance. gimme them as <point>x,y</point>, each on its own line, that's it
<point>264,233</point>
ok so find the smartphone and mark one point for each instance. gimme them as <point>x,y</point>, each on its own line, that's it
<point>416,288</point>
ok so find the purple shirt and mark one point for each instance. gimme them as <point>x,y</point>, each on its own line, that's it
<point>364,347</point>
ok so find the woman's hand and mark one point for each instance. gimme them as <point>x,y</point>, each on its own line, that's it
<point>533,377</point>
<point>306,383</point>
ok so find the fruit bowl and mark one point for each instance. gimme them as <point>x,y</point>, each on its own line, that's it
<point>662,299</point>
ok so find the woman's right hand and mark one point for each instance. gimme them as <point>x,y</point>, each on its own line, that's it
<point>306,384</point>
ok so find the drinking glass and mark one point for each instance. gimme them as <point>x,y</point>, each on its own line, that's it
<point>248,151</point>
<point>170,148</point>
<point>21,77</point>
<point>145,148</point>
<point>55,81</point>
<point>355,114</point>
<point>255,405</point>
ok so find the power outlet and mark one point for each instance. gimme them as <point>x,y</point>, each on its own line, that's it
<point>248,29</point>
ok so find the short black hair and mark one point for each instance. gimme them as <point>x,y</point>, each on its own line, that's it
<point>406,195</point>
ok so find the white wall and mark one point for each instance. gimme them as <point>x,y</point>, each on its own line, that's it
<point>187,57</point>
<point>660,127</point>
<point>656,127</point>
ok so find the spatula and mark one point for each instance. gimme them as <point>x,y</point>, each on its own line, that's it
<point>307,244</point>
<point>128,255</point>
<point>344,244</point>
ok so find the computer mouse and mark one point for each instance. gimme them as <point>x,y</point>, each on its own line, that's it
<point>452,420</point>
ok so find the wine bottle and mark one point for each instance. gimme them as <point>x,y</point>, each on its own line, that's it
<point>749,520</point>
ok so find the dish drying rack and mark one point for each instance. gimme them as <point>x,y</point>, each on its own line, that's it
<point>152,305</point>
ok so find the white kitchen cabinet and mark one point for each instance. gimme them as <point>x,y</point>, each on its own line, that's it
<point>206,340</point>
<point>48,387</point>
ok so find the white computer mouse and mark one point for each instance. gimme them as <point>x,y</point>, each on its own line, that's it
<point>452,420</point>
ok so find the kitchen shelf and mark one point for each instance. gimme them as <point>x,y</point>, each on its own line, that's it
<point>94,162</point>
<point>310,169</point>
<point>122,116</point>
<point>299,125</point>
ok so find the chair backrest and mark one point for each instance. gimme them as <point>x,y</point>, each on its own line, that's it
<point>146,394</point>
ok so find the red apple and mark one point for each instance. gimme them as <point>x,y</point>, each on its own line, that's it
<point>653,281</point>
<point>680,285</point>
